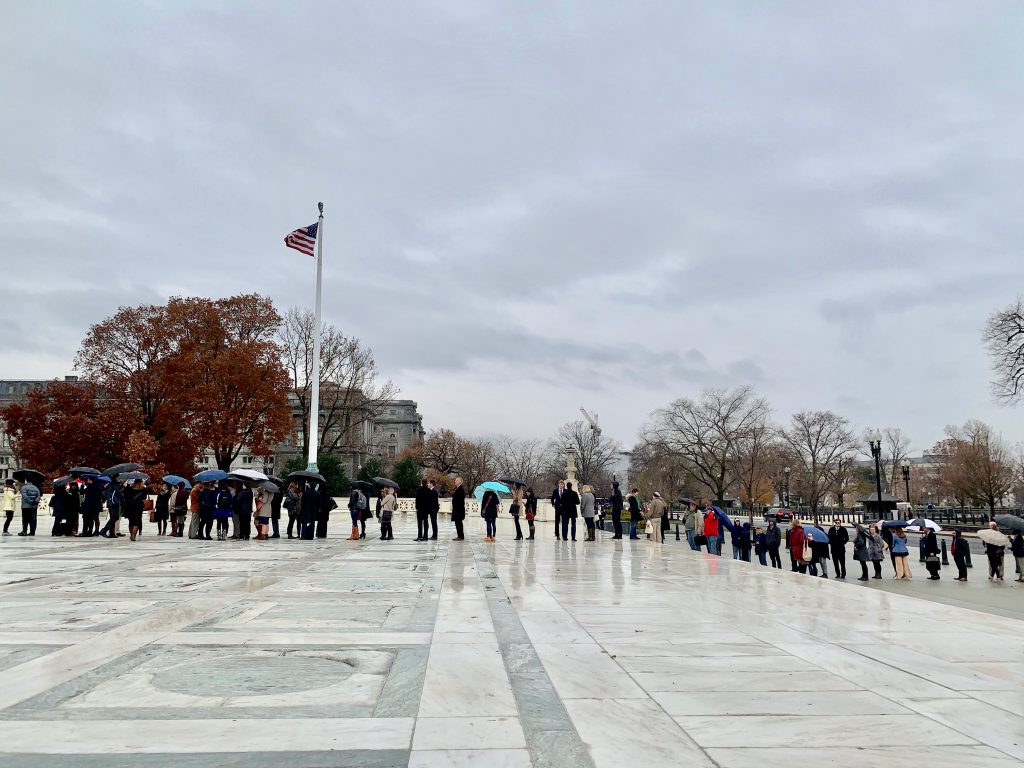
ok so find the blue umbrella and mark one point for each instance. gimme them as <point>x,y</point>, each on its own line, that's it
<point>815,534</point>
<point>210,476</point>
<point>175,479</point>
<point>895,523</point>
<point>489,486</point>
<point>724,518</point>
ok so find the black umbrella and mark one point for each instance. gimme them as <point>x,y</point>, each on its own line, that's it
<point>387,482</point>
<point>131,476</point>
<point>76,471</point>
<point>685,500</point>
<point>24,475</point>
<point>1010,522</point>
<point>266,485</point>
<point>117,469</point>
<point>275,479</point>
<point>364,486</point>
<point>60,482</point>
<point>305,475</point>
<point>511,481</point>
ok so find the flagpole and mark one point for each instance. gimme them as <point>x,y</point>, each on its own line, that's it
<point>314,408</point>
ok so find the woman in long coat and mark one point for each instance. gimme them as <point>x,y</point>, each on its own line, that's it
<point>797,541</point>
<point>489,512</point>
<point>870,550</point>
<point>930,547</point>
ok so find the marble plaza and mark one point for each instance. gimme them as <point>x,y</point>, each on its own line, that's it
<point>615,653</point>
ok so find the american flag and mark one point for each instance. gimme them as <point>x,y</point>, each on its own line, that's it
<point>303,239</point>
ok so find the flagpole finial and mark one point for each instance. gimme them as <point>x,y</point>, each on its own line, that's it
<point>321,207</point>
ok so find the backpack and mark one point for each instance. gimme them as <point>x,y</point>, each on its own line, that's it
<point>360,500</point>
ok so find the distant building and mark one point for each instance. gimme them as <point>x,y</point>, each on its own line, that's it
<point>17,391</point>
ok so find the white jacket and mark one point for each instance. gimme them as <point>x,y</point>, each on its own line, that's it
<point>10,499</point>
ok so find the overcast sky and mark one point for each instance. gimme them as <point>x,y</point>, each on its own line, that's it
<point>537,206</point>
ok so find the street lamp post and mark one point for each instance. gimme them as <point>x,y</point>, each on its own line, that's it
<point>906,479</point>
<point>875,441</point>
<point>785,486</point>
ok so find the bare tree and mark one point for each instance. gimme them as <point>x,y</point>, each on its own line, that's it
<point>842,479</point>
<point>753,463</point>
<point>525,459</point>
<point>350,393</point>
<point>707,432</point>
<point>654,467</point>
<point>443,451</point>
<point>594,454</point>
<point>819,440</point>
<point>1004,338</point>
<point>477,463</point>
<point>895,447</point>
<point>987,463</point>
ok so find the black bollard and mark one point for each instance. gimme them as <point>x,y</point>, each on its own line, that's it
<point>677,531</point>
<point>945,560</point>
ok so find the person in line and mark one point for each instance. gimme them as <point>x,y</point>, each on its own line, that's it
<point>433,509</point>
<point>135,502</point>
<point>194,514</point>
<point>588,509</point>
<point>693,524</point>
<point>56,505</point>
<point>796,541</point>
<point>635,512</point>
<point>379,503</point>
<point>995,558</point>
<point>761,547</point>
<point>515,508</point>
<point>773,540</point>
<point>886,534</point>
<point>92,505</point>
<point>356,504</point>
<point>531,511</point>
<point>162,509</point>
<point>958,547</point>
<point>364,515</point>
<point>931,550</point>
<point>387,512</point>
<point>243,511</point>
<point>224,510</point>
<point>262,514</point>
<point>743,537</point>
<point>179,508</point>
<point>275,514</point>
<point>617,504</point>
<point>72,509</point>
<point>653,513</point>
<point>901,554</point>
<point>309,508</point>
<point>323,512</point>
<point>712,530</point>
<point>570,503</point>
<point>556,505</point>
<point>1017,550</point>
<point>207,505</point>
<point>424,501</point>
<point>489,512</point>
<point>459,509</point>
<point>820,555</point>
<point>115,498</point>
<point>838,538</point>
<point>30,496</point>
<point>291,506</point>
<point>10,503</point>
<point>734,538</point>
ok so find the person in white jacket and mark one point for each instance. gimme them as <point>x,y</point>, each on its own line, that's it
<point>653,514</point>
<point>10,503</point>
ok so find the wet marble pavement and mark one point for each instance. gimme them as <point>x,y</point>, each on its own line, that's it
<point>336,653</point>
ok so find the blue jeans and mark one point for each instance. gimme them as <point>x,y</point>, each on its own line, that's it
<point>713,547</point>
<point>762,557</point>
<point>632,530</point>
<point>737,553</point>
<point>691,542</point>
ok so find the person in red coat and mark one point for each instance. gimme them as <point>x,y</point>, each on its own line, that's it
<point>796,540</point>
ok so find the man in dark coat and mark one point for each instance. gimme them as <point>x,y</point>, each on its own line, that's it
<point>92,503</point>
<point>459,509</point>
<point>556,503</point>
<point>617,510</point>
<point>309,508</point>
<point>207,502</point>
<point>323,513</point>
<point>243,508</point>
<point>570,501</point>
<point>435,507</point>
<point>424,502</point>
<point>838,538</point>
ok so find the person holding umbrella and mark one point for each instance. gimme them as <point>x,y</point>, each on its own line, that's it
<point>516,507</point>
<point>162,509</point>
<point>309,508</point>
<point>489,512</point>
<point>1017,550</point>
<point>357,504</point>
<point>931,554</point>
<point>459,509</point>
<point>424,501</point>
<point>135,501</point>
<point>223,509</point>
<point>291,506</point>
<point>207,505</point>
<point>179,509</point>
<point>92,504</point>
<point>115,497</point>
<point>10,499</point>
<point>995,549</point>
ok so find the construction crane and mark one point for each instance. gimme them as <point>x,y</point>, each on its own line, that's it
<point>593,422</point>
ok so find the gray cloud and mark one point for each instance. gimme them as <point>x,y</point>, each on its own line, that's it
<point>534,208</point>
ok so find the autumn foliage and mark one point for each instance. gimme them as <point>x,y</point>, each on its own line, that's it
<point>162,384</point>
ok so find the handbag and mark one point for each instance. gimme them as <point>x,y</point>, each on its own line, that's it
<point>808,553</point>
<point>931,559</point>
<point>700,539</point>
<point>147,505</point>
